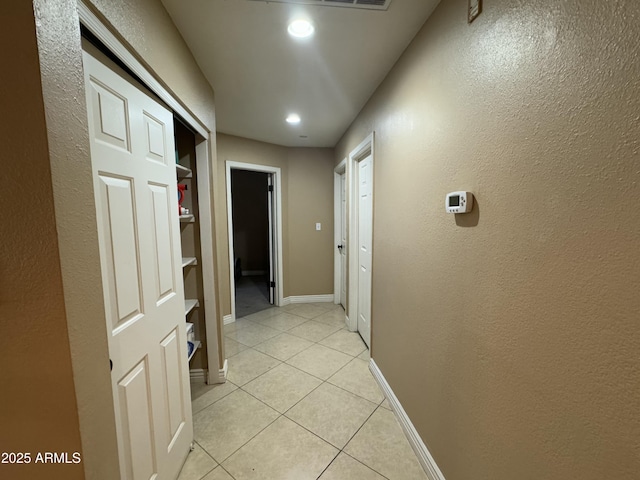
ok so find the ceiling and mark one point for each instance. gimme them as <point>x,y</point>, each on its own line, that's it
<point>260,73</point>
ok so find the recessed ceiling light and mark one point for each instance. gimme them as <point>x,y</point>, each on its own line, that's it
<point>293,119</point>
<point>300,28</point>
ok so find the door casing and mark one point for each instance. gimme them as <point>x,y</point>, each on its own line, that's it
<point>277,224</point>
<point>132,156</point>
<point>363,150</point>
<point>75,218</point>
<point>339,280</point>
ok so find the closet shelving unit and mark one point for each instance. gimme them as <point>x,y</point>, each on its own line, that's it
<point>186,173</point>
<point>187,261</point>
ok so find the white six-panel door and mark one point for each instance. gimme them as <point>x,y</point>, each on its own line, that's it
<point>365,241</point>
<point>132,155</point>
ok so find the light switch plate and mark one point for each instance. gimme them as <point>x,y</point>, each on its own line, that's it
<point>318,226</point>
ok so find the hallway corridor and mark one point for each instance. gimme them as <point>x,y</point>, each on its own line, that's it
<point>299,403</point>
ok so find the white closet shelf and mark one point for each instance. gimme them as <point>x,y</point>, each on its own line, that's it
<point>186,261</point>
<point>187,218</point>
<point>190,304</point>
<point>183,172</point>
<point>196,346</point>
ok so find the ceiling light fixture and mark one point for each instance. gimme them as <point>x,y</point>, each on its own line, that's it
<point>293,119</point>
<point>300,28</point>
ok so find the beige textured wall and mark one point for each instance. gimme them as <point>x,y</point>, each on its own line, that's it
<point>37,396</point>
<point>310,201</point>
<point>147,28</point>
<point>511,335</point>
<point>307,195</point>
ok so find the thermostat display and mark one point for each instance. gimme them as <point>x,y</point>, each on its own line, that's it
<point>459,202</point>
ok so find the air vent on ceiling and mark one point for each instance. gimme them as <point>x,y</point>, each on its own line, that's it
<point>365,4</point>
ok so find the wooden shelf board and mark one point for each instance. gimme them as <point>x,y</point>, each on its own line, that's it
<point>187,218</point>
<point>196,346</point>
<point>190,304</point>
<point>183,172</point>
<point>186,261</point>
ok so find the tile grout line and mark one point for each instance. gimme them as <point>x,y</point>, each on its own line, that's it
<point>362,463</point>
<point>356,433</point>
<point>322,382</point>
<point>329,464</point>
<point>254,436</point>
<point>321,379</point>
<point>215,401</point>
<point>208,455</point>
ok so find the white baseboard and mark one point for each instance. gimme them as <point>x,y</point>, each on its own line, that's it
<point>328,298</point>
<point>227,319</point>
<point>219,376</point>
<point>424,456</point>
<point>222,373</point>
<point>198,374</point>
<point>352,328</point>
<point>285,301</point>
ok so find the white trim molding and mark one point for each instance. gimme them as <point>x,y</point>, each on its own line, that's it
<point>365,148</point>
<point>340,170</point>
<point>277,187</point>
<point>328,298</point>
<point>198,374</point>
<point>424,456</point>
<point>222,373</point>
<point>227,319</point>
<point>352,327</point>
<point>285,301</point>
<point>211,377</point>
<point>91,21</point>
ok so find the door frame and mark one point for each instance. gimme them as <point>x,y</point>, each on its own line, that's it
<point>204,160</point>
<point>277,190</point>
<point>77,239</point>
<point>363,150</point>
<point>341,169</point>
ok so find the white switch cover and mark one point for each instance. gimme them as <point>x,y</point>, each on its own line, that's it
<point>318,226</point>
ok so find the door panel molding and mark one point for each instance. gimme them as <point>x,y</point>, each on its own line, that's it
<point>94,24</point>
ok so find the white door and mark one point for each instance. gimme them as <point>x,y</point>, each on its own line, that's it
<point>132,155</point>
<point>365,241</point>
<point>272,239</point>
<point>343,241</point>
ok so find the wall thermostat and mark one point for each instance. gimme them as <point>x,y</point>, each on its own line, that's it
<point>459,202</point>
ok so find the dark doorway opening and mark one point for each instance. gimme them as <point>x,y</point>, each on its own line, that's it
<point>251,241</point>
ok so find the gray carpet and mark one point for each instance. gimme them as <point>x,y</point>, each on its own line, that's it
<point>252,295</point>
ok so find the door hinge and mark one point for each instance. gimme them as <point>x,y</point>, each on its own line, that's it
<point>273,284</point>
<point>271,188</point>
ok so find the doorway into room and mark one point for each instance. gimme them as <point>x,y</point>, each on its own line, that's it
<point>253,201</point>
<point>340,235</point>
<point>251,241</point>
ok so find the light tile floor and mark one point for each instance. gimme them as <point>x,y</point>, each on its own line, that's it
<point>299,403</point>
